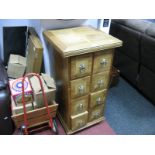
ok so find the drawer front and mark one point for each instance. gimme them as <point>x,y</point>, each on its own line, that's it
<point>79,121</point>
<point>80,87</point>
<point>79,105</point>
<point>102,61</point>
<point>96,113</point>
<point>100,81</point>
<point>97,98</point>
<point>81,66</point>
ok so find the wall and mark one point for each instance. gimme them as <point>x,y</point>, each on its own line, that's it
<point>10,22</point>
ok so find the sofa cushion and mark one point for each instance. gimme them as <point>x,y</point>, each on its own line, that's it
<point>130,38</point>
<point>136,24</point>
<point>148,52</point>
<point>3,76</point>
<point>139,25</point>
<point>127,66</point>
<point>121,21</point>
<point>151,30</point>
<point>115,29</point>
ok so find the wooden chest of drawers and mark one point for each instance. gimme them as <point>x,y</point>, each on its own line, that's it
<point>83,58</point>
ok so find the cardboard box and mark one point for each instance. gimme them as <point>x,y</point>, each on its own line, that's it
<point>49,88</point>
<point>19,109</point>
<point>16,66</point>
<point>34,54</point>
<point>16,91</point>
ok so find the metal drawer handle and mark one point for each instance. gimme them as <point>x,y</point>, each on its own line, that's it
<point>99,101</point>
<point>82,68</point>
<point>80,107</point>
<point>100,83</point>
<point>97,114</point>
<point>81,89</point>
<point>104,62</point>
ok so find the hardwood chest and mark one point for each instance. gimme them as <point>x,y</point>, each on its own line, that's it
<point>83,59</point>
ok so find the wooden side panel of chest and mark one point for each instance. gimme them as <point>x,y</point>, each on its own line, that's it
<point>61,66</point>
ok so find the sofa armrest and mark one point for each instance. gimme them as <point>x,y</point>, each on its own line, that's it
<point>3,77</point>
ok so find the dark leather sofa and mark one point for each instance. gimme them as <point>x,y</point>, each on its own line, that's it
<point>6,124</point>
<point>136,58</point>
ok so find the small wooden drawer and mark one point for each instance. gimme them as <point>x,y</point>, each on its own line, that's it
<point>79,105</point>
<point>100,81</point>
<point>79,121</point>
<point>81,66</point>
<point>96,113</point>
<point>102,61</point>
<point>80,87</point>
<point>97,98</point>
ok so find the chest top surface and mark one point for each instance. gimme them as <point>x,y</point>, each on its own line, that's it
<point>80,40</point>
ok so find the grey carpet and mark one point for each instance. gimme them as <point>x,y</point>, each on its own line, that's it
<point>128,112</point>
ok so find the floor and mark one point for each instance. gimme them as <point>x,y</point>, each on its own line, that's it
<point>102,128</point>
<point>128,112</point>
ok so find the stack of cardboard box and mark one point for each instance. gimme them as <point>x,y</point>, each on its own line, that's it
<point>16,95</point>
<point>32,93</point>
<point>18,65</point>
<point>49,89</point>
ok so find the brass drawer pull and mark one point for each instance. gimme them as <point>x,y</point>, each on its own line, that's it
<point>96,115</point>
<point>82,68</point>
<point>81,89</point>
<point>104,62</point>
<point>80,107</point>
<point>99,101</point>
<point>100,83</point>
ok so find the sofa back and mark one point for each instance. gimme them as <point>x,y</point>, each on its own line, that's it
<point>136,58</point>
